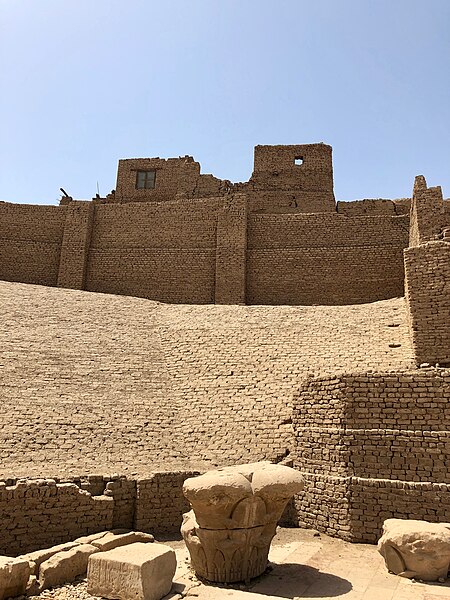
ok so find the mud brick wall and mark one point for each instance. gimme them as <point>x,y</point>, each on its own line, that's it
<point>30,242</point>
<point>427,212</point>
<point>324,505</point>
<point>374,500</point>
<point>123,491</point>
<point>75,245</point>
<point>379,432</point>
<point>201,251</point>
<point>372,206</point>
<point>231,250</point>
<point>427,271</point>
<point>324,258</point>
<point>162,251</point>
<point>310,184</point>
<point>160,503</point>
<point>42,513</point>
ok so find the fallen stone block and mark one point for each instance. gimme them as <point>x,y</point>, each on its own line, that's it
<point>138,571</point>
<point>113,540</point>
<point>14,574</point>
<point>39,556</point>
<point>88,539</point>
<point>416,549</point>
<point>64,567</point>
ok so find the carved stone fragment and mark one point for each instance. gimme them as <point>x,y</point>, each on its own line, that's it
<point>234,518</point>
<point>416,549</point>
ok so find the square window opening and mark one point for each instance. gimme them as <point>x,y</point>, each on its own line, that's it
<point>145,180</point>
<point>298,161</point>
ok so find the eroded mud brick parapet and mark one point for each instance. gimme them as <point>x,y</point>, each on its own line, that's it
<point>427,275</point>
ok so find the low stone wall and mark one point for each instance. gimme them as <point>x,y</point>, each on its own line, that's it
<point>39,513</point>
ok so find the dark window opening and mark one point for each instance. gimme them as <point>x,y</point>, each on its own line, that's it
<point>145,180</point>
<point>298,161</point>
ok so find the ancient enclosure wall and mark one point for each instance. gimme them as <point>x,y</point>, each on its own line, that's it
<point>369,446</point>
<point>427,270</point>
<point>202,251</point>
<point>162,251</point>
<point>75,245</point>
<point>30,242</point>
<point>324,258</point>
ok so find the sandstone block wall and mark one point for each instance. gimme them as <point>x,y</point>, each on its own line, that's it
<point>361,438</point>
<point>30,242</point>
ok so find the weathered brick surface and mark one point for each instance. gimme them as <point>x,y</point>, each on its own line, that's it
<point>368,436</point>
<point>75,245</point>
<point>427,275</point>
<point>186,241</point>
<point>93,383</point>
<point>160,503</point>
<point>41,513</point>
<point>427,270</point>
<point>30,242</point>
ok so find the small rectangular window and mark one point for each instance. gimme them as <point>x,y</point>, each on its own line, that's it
<point>145,180</point>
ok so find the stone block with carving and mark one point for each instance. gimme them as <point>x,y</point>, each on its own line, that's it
<point>234,516</point>
<point>14,574</point>
<point>138,571</point>
<point>416,549</point>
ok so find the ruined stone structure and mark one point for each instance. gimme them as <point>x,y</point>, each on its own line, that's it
<point>350,383</point>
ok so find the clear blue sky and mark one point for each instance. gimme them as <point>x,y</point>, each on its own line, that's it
<point>86,82</point>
